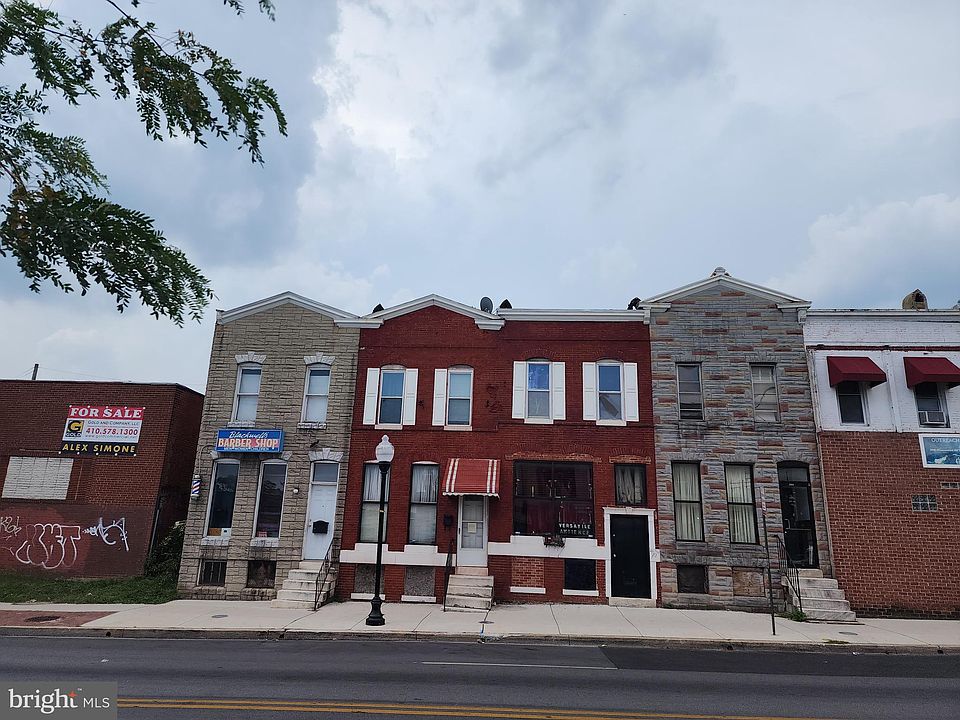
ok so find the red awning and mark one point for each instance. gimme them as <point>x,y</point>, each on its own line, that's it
<point>931,369</point>
<point>843,368</point>
<point>472,477</point>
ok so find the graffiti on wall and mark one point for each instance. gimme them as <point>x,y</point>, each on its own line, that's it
<point>54,546</point>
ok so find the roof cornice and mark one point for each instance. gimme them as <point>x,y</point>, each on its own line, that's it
<point>551,315</point>
<point>484,320</point>
<point>286,298</point>
<point>723,279</point>
<point>921,315</point>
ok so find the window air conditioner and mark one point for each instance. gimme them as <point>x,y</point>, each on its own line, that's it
<point>933,417</point>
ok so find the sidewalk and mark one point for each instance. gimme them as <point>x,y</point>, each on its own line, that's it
<point>536,623</point>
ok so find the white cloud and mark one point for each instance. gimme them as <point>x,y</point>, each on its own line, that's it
<point>875,255</point>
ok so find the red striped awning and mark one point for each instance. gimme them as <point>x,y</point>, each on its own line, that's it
<point>931,369</point>
<point>472,477</point>
<point>844,368</point>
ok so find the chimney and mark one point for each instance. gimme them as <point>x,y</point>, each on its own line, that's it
<point>915,301</point>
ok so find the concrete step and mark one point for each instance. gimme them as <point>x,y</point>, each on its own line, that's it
<point>305,595</point>
<point>314,565</point>
<point>468,601</point>
<point>298,604</point>
<point>482,591</point>
<point>471,570</point>
<point>824,604</point>
<point>476,580</point>
<point>841,616</point>
<point>451,608</point>
<point>311,585</point>
<point>810,573</point>
<point>828,583</point>
<point>303,575</point>
<point>826,593</point>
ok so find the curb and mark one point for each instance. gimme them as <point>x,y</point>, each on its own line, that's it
<point>412,636</point>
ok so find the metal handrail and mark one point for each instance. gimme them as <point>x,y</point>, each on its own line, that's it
<point>790,571</point>
<point>447,572</point>
<point>322,577</point>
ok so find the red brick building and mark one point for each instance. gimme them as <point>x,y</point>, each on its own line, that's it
<point>93,474</point>
<point>523,439</point>
<point>887,389</point>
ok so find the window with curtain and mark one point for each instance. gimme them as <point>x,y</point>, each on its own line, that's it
<point>631,482</point>
<point>370,506</point>
<point>248,393</point>
<point>424,485</point>
<point>273,476</point>
<point>553,498</point>
<point>316,394</point>
<point>687,506</point>
<point>743,515</point>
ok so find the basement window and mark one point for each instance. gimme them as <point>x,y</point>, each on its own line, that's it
<point>692,579</point>
<point>924,503</point>
<point>579,574</point>
<point>213,573</point>
<point>261,573</point>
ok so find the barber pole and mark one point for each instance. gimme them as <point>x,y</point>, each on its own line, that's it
<point>195,488</point>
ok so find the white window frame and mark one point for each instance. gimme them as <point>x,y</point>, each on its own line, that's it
<point>386,503</point>
<point>703,409</point>
<point>863,404</point>
<point>236,393</point>
<point>753,386</point>
<point>538,419</point>
<point>460,370</point>
<point>403,388</point>
<point>942,401</point>
<point>213,479</point>
<point>256,506</point>
<point>623,408</point>
<point>306,395</point>
<point>436,505</point>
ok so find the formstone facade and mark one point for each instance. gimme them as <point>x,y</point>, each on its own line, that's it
<point>284,336</point>
<point>724,326</point>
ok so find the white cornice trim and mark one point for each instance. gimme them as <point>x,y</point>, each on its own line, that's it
<point>484,321</point>
<point>732,283</point>
<point>550,315</point>
<point>919,315</point>
<point>285,298</point>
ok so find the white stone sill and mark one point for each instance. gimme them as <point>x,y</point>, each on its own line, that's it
<point>582,593</point>
<point>519,590</point>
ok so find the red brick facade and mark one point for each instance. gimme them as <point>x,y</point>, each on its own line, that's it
<point>889,558</point>
<point>435,337</point>
<point>82,535</point>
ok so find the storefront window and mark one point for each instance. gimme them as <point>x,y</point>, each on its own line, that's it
<point>553,498</point>
<point>270,502</point>
<point>224,491</point>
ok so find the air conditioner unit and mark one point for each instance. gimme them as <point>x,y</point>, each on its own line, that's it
<point>933,417</point>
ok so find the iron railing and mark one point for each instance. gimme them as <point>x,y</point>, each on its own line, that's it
<point>447,572</point>
<point>322,576</point>
<point>790,571</point>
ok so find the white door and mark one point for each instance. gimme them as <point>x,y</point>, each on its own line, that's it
<point>472,534</point>
<point>321,510</point>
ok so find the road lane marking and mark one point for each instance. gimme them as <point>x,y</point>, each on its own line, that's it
<point>421,710</point>
<point>518,665</point>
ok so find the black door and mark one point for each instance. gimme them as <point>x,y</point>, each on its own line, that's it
<point>630,566</point>
<point>799,535</point>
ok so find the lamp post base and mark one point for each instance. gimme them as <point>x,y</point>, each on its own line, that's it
<point>376,616</point>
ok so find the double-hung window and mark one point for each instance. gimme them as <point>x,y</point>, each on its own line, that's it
<point>687,505</point>
<point>610,390</point>
<point>424,487</point>
<point>370,507</point>
<point>766,404</point>
<point>631,484</point>
<point>248,393</point>
<point>740,504</point>
<point>850,399</point>
<point>223,492</point>
<point>273,477</point>
<point>690,391</point>
<point>316,394</point>
<point>930,405</point>
<point>538,390</point>
<point>459,396</point>
<point>391,397</point>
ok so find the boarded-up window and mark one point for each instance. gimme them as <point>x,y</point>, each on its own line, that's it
<point>36,478</point>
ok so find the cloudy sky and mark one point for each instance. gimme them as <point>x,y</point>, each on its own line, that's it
<point>559,154</point>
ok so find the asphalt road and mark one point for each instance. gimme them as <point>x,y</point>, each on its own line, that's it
<point>287,679</point>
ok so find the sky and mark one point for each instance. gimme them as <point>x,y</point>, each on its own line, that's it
<point>561,153</point>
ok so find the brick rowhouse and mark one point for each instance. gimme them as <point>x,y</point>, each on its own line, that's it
<point>893,514</point>
<point>492,352</point>
<point>83,514</point>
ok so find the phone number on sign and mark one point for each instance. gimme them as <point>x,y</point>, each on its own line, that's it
<point>111,431</point>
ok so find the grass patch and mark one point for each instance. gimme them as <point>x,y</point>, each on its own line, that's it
<point>27,588</point>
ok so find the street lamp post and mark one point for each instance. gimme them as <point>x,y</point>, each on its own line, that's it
<point>384,454</point>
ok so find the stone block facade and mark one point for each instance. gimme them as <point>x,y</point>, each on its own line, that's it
<point>283,337</point>
<point>725,327</point>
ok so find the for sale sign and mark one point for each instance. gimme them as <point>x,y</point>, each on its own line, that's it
<point>102,430</point>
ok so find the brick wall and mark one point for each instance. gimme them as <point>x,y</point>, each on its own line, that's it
<point>438,338</point>
<point>890,559</point>
<point>285,335</point>
<point>67,536</point>
<point>725,331</point>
